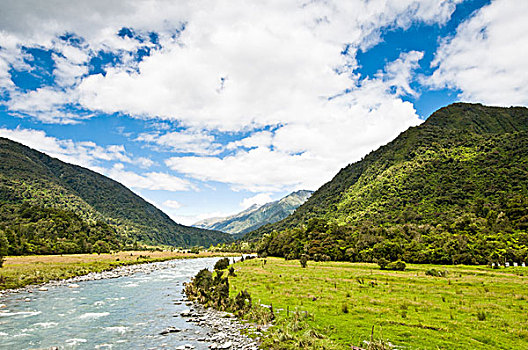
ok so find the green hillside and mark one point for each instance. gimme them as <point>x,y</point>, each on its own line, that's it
<point>452,190</point>
<point>48,206</point>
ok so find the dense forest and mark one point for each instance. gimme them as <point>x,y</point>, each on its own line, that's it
<point>452,190</point>
<point>48,206</point>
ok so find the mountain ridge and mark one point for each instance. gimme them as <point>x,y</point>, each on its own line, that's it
<point>466,162</point>
<point>256,215</point>
<point>32,178</point>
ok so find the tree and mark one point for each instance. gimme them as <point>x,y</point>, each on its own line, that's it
<point>3,247</point>
<point>304,261</point>
<point>221,264</point>
<point>101,247</point>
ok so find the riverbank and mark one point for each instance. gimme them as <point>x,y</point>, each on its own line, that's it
<point>338,305</point>
<point>227,332</point>
<point>145,308</point>
<point>22,271</point>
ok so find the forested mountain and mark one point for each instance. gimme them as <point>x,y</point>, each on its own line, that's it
<point>256,215</point>
<point>452,190</point>
<point>48,206</point>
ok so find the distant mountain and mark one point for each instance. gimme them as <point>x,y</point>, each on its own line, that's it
<point>48,206</point>
<point>256,216</point>
<point>452,190</point>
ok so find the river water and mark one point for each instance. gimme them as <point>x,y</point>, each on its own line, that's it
<point>120,313</point>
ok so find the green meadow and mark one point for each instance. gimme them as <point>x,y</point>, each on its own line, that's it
<point>348,304</point>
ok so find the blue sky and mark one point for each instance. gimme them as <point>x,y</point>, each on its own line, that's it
<point>205,108</point>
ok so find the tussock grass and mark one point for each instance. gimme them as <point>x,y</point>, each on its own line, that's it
<point>475,308</point>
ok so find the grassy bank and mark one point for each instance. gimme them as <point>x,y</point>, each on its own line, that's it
<point>20,271</point>
<point>473,307</point>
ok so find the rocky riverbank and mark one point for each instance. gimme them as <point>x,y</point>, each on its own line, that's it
<point>120,271</point>
<point>227,332</point>
<point>224,330</point>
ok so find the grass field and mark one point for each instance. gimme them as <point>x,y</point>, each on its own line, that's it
<point>19,271</point>
<point>473,307</point>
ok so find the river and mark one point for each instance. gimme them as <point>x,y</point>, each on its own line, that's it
<point>120,313</point>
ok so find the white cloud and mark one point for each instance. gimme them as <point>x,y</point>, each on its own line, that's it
<point>45,104</point>
<point>237,66</point>
<point>85,153</point>
<point>149,181</point>
<point>306,153</point>
<point>259,199</point>
<point>172,204</point>
<point>246,65</point>
<point>399,73</point>
<point>67,71</point>
<point>257,139</point>
<point>185,141</point>
<point>486,59</point>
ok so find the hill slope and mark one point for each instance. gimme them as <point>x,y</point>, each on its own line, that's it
<point>452,190</point>
<point>37,192</point>
<point>257,216</point>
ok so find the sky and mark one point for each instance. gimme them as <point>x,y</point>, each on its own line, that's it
<point>204,108</point>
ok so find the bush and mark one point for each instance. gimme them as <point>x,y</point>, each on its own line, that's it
<point>436,273</point>
<point>232,271</point>
<point>203,279</point>
<point>382,262</point>
<point>3,247</point>
<point>222,264</point>
<point>344,308</point>
<point>396,266</point>
<point>243,301</point>
<point>101,247</point>
<point>481,316</point>
<point>304,261</point>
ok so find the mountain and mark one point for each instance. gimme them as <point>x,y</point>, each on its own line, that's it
<point>48,206</point>
<point>256,216</point>
<point>452,190</point>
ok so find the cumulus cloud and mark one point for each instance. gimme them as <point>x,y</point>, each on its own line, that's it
<point>259,199</point>
<point>85,154</point>
<point>276,71</point>
<point>47,104</point>
<point>89,155</point>
<point>305,154</point>
<point>185,141</point>
<point>486,58</point>
<point>172,204</point>
<point>236,65</point>
<point>149,181</point>
<point>245,65</point>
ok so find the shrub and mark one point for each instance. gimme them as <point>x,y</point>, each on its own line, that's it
<point>382,262</point>
<point>397,266</point>
<point>203,279</point>
<point>344,308</point>
<point>222,264</point>
<point>101,247</point>
<point>232,271</point>
<point>481,316</point>
<point>304,261</point>
<point>243,300</point>
<point>436,273</point>
<point>3,247</point>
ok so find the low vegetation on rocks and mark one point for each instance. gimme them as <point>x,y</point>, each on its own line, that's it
<point>211,289</point>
